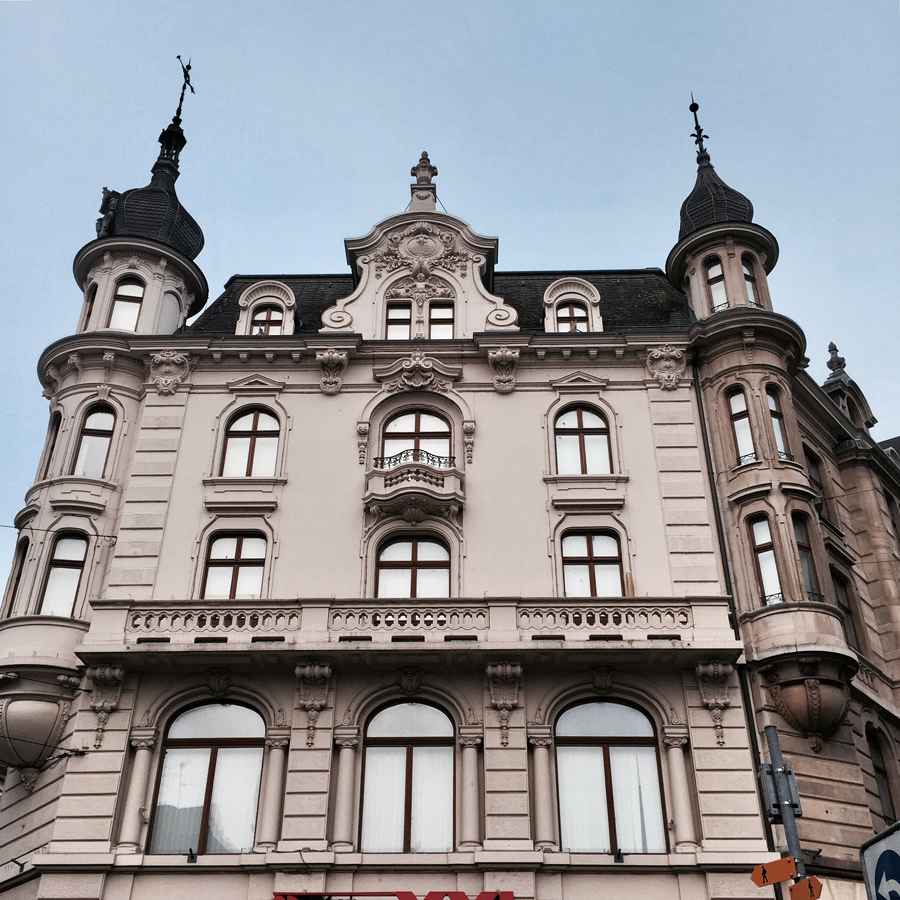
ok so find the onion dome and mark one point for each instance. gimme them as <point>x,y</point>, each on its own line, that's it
<point>711,201</point>
<point>154,211</point>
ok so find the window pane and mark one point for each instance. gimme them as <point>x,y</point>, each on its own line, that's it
<point>809,574</point>
<point>393,446</point>
<point>441,332</point>
<point>218,720</point>
<point>218,583</point>
<point>761,533</point>
<point>574,545</point>
<point>232,808</point>
<point>431,423</point>
<point>437,446</point>
<point>636,800</point>
<point>394,583</point>
<point>738,402</point>
<point>124,315</point>
<point>577,581</point>
<point>432,800</point>
<point>608,580</point>
<point>398,312</point>
<point>384,800</point>
<point>568,455</point>
<point>401,423</point>
<point>714,269</point>
<point>441,312</point>
<point>431,550</point>
<point>596,451</point>
<point>780,442</point>
<point>410,720</point>
<point>743,437</point>
<point>223,548</point>
<point>179,808</point>
<point>244,423</point>
<point>751,291</point>
<point>769,574</point>
<point>591,420</point>
<point>773,401</point>
<point>249,583</point>
<point>397,551</point>
<point>100,421</point>
<point>253,548</point>
<point>59,595</point>
<point>70,548</point>
<point>91,456</point>
<point>603,720</point>
<point>264,456</point>
<point>717,291</point>
<point>398,332</point>
<point>605,545</point>
<point>236,452</point>
<point>568,419</point>
<point>584,825</point>
<point>267,422</point>
<point>130,289</point>
<point>433,583</point>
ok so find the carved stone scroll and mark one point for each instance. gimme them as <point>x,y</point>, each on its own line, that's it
<point>106,691</point>
<point>333,362</point>
<point>503,362</point>
<point>666,364</point>
<point>503,681</point>
<point>713,680</point>
<point>168,369</point>
<point>313,680</point>
<point>417,373</point>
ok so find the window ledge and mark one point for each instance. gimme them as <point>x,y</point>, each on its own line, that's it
<point>222,483</point>
<point>80,494</point>
<point>244,494</point>
<point>598,481</point>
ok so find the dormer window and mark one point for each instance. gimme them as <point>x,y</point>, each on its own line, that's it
<point>267,309</point>
<point>126,305</point>
<point>399,322</point>
<point>715,283</point>
<point>267,320</point>
<point>440,321</point>
<point>571,316</point>
<point>572,305</point>
<point>750,281</point>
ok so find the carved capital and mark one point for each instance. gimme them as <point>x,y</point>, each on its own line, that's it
<point>503,681</point>
<point>675,736</point>
<point>107,688</point>
<point>540,735</point>
<point>666,364</point>
<point>713,680</point>
<point>332,362</point>
<point>503,362</point>
<point>168,369</point>
<point>143,738</point>
<point>313,680</point>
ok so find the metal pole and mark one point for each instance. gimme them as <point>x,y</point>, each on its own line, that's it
<point>783,790</point>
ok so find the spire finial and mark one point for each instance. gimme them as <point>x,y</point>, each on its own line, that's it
<point>836,363</point>
<point>697,134</point>
<point>172,139</point>
<point>186,72</point>
<point>424,192</point>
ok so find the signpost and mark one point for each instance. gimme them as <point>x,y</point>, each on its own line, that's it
<point>880,859</point>
<point>773,872</point>
<point>809,888</point>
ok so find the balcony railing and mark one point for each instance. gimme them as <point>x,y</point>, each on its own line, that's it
<point>415,456</point>
<point>746,458</point>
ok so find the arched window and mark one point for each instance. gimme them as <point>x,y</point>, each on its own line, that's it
<point>772,395</point>
<point>408,781</point>
<point>208,788</point>
<point>267,320</point>
<point>52,437</point>
<point>64,574</point>
<point>440,321</point>
<point>715,283</point>
<point>582,443</point>
<point>16,580</point>
<point>93,442</point>
<point>750,281</point>
<point>234,567</point>
<point>399,322</point>
<point>592,565</point>
<point>416,437</point>
<point>571,316</point>
<point>740,427</point>
<point>764,554</point>
<point>609,783</point>
<point>882,780</point>
<point>804,551</point>
<point>842,595</point>
<point>89,307</point>
<point>126,306</point>
<point>413,567</point>
<point>251,445</point>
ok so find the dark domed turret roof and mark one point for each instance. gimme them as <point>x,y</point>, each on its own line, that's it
<point>154,211</point>
<point>712,201</point>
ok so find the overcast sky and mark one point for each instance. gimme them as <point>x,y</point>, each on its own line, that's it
<point>561,127</point>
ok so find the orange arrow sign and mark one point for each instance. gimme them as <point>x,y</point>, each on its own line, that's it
<point>773,872</point>
<point>807,889</point>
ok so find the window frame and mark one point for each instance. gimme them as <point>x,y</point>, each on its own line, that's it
<point>405,321</point>
<point>20,559</point>
<point>235,564</point>
<point>50,444</point>
<point>254,433</point>
<point>875,739</point>
<point>53,563</point>
<point>741,415</point>
<point>433,322</point>
<point>572,303</point>
<point>758,551</point>
<point>776,417</point>
<point>606,743</point>
<point>118,298</point>
<point>800,523</point>
<point>847,607</point>
<point>591,561</point>
<point>409,743</point>
<point>413,564</point>
<point>267,308</point>
<point>417,435</point>
<point>751,282</point>
<point>712,283</point>
<point>580,431</point>
<point>84,431</point>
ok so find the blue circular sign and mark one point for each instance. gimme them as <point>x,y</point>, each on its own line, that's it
<point>887,876</point>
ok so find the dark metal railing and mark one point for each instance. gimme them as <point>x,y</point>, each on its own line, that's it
<point>746,458</point>
<point>815,596</point>
<point>773,598</point>
<point>415,456</point>
<point>784,455</point>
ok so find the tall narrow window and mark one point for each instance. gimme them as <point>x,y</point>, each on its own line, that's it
<point>571,316</point>
<point>208,791</point>
<point>399,321</point>
<point>18,569</point>
<point>94,441</point>
<point>440,321</point>
<point>740,427</point>
<point>582,443</point>
<point>592,565</point>
<point>408,782</point>
<point>234,567</point>
<point>126,306</point>
<point>64,575</point>
<point>89,307</point>
<point>715,283</point>
<point>609,783</point>
<point>766,567</point>
<point>416,437</point>
<point>804,550</point>
<point>882,781</point>
<point>777,418</point>
<point>52,438</point>
<point>814,471</point>
<point>267,320</point>
<point>413,567</point>
<point>750,281</point>
<point>842,595</point>
<point>251,446</point>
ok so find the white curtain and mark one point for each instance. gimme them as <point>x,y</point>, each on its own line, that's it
<point>582,800</point>
<point>636,800</point>
<point>179,808</point>
<point>384,794</point>
<point>235,794</point>
<point>432,800</point>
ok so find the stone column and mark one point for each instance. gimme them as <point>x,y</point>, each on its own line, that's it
<point>277,742</point>
<point>135,813</point>
<point>470,826</point>
<point>541,739</point>
<point>675,739</point>
<point>347,738</point>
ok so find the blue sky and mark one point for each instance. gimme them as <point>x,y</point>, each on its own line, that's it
<point>561,127</point>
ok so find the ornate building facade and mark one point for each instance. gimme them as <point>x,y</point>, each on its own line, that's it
<point>432,577</point>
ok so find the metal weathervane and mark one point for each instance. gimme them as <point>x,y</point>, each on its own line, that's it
<point>697,134</point>
<point>186,71</point>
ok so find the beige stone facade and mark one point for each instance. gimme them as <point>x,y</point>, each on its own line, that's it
<point>631,587</point>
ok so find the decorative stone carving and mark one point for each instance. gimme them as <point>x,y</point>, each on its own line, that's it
<point>219,682</point>
<point>469,439</point>
<point>420,288</point>
<point>74,361</point>
<point>713,680</point>
<point>52,375</point>
<point>31,727</point>
<point>666,364</point>
<point>835,363</point>
<point>811,694</point>
<point>109,363</point>
<point>503,681</point>
<point>602,679</point>
<point>362,441</point>
<point>415,508</point>
<point>333,362</point>
<point>410,680</point>
<point>503,362</point>
<point>417,373</point>
<point>313,680</point>
<point>423,243</point>
<point>106,683</point>
<point>423,171</point>
<point>168,369</point>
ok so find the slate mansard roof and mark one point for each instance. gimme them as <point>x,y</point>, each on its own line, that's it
<point>630,299</point>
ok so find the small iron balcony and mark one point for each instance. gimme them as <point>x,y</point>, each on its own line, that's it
<point>414,456</point>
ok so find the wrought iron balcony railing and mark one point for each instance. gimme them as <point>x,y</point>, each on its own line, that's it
<point>746,458</point>
<point>415,456</point>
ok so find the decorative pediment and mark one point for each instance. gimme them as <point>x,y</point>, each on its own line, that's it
<point>256,385</point>
<point>580,381</point>
<point>417,372</point>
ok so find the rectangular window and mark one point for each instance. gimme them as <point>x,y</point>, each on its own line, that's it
<point>399,322</point>
<point>440,321</point>
<point>767,568</point>
<point>740,424</point>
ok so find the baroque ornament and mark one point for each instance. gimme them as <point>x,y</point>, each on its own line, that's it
<point>168,369</point>
<point>418,373</point>
<point>313,680</point>
<point>503,362</point>
<point>107,688</point>
<point>425,244</point>
<point>713,680</point>
<point>666,364</point>
<point>333,363</point>
<point>419,288</point>
<point>503,681</point>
